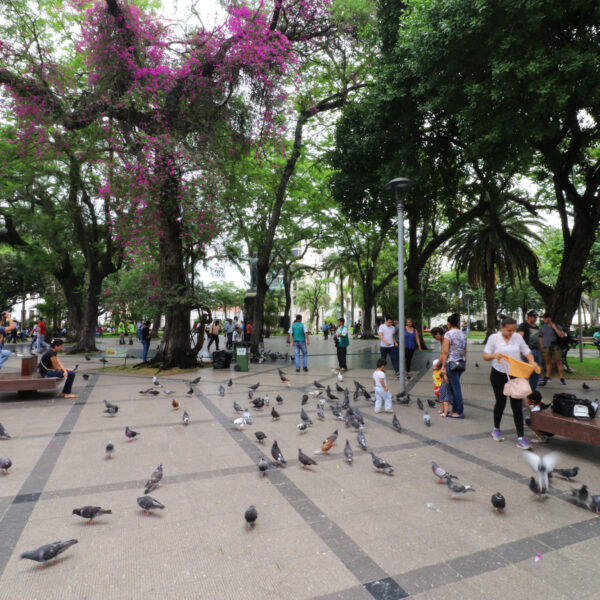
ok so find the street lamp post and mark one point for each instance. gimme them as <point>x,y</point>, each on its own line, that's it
<point>399,185</point>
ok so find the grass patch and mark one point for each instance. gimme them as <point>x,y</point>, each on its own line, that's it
<point>588,369</point>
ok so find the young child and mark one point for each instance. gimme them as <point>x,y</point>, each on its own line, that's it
<point>437,379</point>
<point>535,404</point>
<point>446,397</point>
<point>382,394</point>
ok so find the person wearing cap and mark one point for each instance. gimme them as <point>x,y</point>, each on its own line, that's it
<point>531,334</point>
<point>550,348</point>
<point>146,337</point>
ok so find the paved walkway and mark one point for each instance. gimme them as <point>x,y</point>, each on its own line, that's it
<point>333,532</point>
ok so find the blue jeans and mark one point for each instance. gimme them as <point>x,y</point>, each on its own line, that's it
<point>454,379</point>
<point>301,347</point>
<point>394,355</point>
<point>145,348</point>
<point>60,375</point>
<point>4,354</point>
<point>535,377</point>
<point>41,342</point>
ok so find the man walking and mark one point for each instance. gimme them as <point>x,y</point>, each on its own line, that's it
<point>341,334</point>
<point>298,336</point>
<point>531,334</point>
<point>550,348</point>
<point>41,334</point>
<point>121,331</point>
<point>387,343</point>
<point>229,334</point>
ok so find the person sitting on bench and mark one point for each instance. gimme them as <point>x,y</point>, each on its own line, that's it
<point>50,366</point>
<point>4,329</point>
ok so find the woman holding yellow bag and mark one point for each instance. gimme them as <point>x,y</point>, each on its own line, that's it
<point>507,342</point>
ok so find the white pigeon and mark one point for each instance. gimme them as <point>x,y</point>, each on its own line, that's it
<point>247,417</point>
<point>266,399</point>
<point>542,466</point>
<point>340,378</point>
<point>240,423</point>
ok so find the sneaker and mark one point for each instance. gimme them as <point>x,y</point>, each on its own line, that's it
<point>377,411</point>
<point>562,381</point>
<point>306,369</point>
<point>397,373</point>
<point>497,435</point>
<point>388,410</point>
<point>297,370</point>
<point>539,440</point>
<point>523,444</point>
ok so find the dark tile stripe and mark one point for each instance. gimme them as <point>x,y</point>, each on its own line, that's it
<point>15,518</point>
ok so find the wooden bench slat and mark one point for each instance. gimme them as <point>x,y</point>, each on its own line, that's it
<point>551,422</point>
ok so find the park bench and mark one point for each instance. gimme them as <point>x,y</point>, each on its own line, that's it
<point>591,341</point>
<point>29,380</point>
<point>575,429</point>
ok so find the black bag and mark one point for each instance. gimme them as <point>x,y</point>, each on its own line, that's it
<point>458,366</point>
<point>222,359</point>
<point>571,406</point>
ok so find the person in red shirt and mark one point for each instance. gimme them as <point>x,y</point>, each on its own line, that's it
<point>248,333</point>
<point>41,334</point>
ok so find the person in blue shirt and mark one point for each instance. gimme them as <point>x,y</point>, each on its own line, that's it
<point>326,330</point>
<point>229,333</point>
<point>299,338</point>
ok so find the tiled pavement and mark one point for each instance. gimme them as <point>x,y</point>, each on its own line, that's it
<point>334,532</point>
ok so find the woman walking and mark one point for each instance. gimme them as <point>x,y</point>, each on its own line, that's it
<point>411,340</point>
<point>454,358</point>
<point>510,343</point>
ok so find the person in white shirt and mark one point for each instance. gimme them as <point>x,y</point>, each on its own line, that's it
<point>387,343</point>
<point>383,396</point>
<point>508,342</point>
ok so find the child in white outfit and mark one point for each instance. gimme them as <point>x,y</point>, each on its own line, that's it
<point>382,394</point>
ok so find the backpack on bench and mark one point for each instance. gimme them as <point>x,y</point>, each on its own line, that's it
<point>571,406</point>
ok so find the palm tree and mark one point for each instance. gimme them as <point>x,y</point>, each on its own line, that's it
<point>494,246</point>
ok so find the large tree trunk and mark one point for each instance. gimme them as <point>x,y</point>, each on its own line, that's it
<point>368,303</point>
<point>490,305</point>
<point>87,340</point>
<point>287,289</point>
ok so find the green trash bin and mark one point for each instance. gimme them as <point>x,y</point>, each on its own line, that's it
<point>240,353</point>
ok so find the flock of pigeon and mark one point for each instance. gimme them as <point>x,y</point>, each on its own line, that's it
<point>544,467</point>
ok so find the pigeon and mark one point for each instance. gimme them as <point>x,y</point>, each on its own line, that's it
<point>346,404</point>
<point>49,551</point>
<point>440,473</point>
<point>366,395</point>
<point>240,423</point>
<point>427,364</point>
<point>340,376</point>
<point>337,413</point>
<point>284,379</point>
<point>110,448</point>
<point>279,399</point>
<point>338,387</point>
<point>304,400</point>
<point>542,466</point>
<point>85,376</point>
<point>230,383</point>
<point>305,417</point>
<point>3,433</point>
<point>361,439</point>
<point>403,399</point>
<point>147,503</point>
<point>276,454</point>
<point>155,381</point>
<point>197,380</point>
<point>250,395</point>
<point>151,486</point>
<point>236,407</point>
<point>274,414</point>
<point>266,399</point>
<point>457,489</point>
<point>318,385</point>
<point>91,512</point>
<point>498,502</point>
<point>320,413</point>
<point>250,516</point>
<point>221,391</point>
<point>334,436</point>
<point>585,386</point>
<point>535,488</point>
<point>359,416</point>
<point>477,365</point>
<point>175,404</point>
<point>258,403</point>
<point>396,424</point>
<point>156,476</point>
<point>190,391</point>
<point>185,418</point>
<point>305,460</point>
<point>348,455</point>
<point>325,446</point>
<point>596,503</point>
<point>255,386</point>
<point>111,409</point>
<point>431,403</point>
<point>567,474</point>
<point>302,427</point>
<point>260,436</point>
<point>581,497</point>
<point>168,392</point>
<point>354,424</point>
<point>381,465</point>
<point>330,395</point>
<point>427,419</point>
<point>356,395</point>
<point>359,386</point>
<point>130,433</point>
<point>420,403</point>
<point>5,464</point>
<point>263,465</point>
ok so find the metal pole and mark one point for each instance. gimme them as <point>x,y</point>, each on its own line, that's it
<point>468,312</point>
<point>580,333</point>
<point>401,363</point>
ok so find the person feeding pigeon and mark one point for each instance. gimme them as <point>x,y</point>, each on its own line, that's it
<point>535,404</point>
<point>50,366</point>
<point>382,393</point>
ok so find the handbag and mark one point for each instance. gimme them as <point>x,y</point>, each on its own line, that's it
<point>516,388</point>
<point>458,366</point>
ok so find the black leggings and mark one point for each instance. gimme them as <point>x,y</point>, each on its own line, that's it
<point>498,381</point>
<point>408,354</point>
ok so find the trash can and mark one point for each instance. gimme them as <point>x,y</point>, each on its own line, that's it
<point>240,353</point>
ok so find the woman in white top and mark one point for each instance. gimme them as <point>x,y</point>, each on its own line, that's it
<point>508,342</point>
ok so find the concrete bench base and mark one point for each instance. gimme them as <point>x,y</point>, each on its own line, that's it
<point>29,380</point>
<point>582,431</point>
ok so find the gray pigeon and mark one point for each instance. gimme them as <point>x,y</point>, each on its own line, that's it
<point>305,417</point>
<point>185,418</point>
<point>147,503</point>
<point>304,399</point>
<point>263,465</point>
<point>247,417</point>
<point>498,502</point>
<point>458,489</point>
<point>542,466</point>
<point>567,474</point>
<point>237,408</point>
<point>581,497</point>
<point>5,464</point>
<point>195,381</point>
<point>112,410</point>
<point>318,385</point>
<point>255,386</point>
<point>305,460</point>
<point>396,424</point>
<point>361,439</point>
<point>221,391</point>
<point>420,403</point>
<point>302,427</point>
<point>250,395</point>
<point>358,416</point>
<point>279,399</point>
<point>276,454</point>
<point>110,448</point>
<point>250,516</point>
<point>338,387</point>
<point>155,381</point>
<point>381,465</point>
<point>45,553</point>
<point>427,419</point>
<point>130,433</point>
<point>156,476</point>
<point>91,512</point>
<point>596,503</point>
<point>348,455</point>
<point>260,436</point>
<point>190,392</point>
<point>320,413</point>
<point>440,473</point>
<point>535,488</point>
<point>230,383</point>
<point>168,392</point>
<point>431,403</point>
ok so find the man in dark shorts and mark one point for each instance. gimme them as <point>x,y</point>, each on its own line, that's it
<point>550,348</point>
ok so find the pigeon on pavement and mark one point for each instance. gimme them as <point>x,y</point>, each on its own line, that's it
<point>49,551</point>
<point>255,386</point>
<point>596,503</point>
<point>221,391</point>
<point>247,417</point>
<point>304,399</point>
<point>361,439</point>
<point>190,392</point>
<point>276,454</point>
<point>263,465</point>
<point>279,399</point>
<point>260,436</point>
<point>147,503</point>
<point>250,516</point>
<point>535,488</point>
<point>498,502</point>
<point>168,392</point>
<point>91,512</point>
<point>5,464</point>
<point>458,489</point>
<point>175,404</point>
<point>440,473</point>
<point>157,475</point>
<point>130,433</point>
<point>340,376</point>
<point>197,380</point>
<point>338,387</point>
<point>567,474</point>
<point>85,376</point>
<point>320,413</point>
<point>230,383</point>
<point>396,424</point>
<point>420,403</point>
<point>431,403</point>
<point>581,497</point>
<point>381,465</point>
<point>185,418</point>
<point>306,461</point>
<point>427,419</point>
<point>237,408</point>
<point>542,466</point>
<point>302,427</point>
<point>240,423</point>
<point>318,385</point>
<point>274,414</point>
<point>110,448</point>
<point>585,386</point>
<point>305,417</point>
<point>348,454</point>
<point>258,403</point>
<point>3,433</point>
<point>155,381</point>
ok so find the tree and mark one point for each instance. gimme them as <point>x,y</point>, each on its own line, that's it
<point>312,296</point>
<point>493,247</point>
